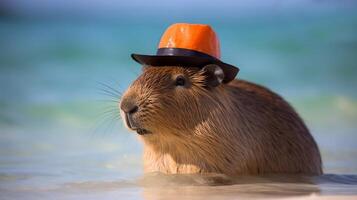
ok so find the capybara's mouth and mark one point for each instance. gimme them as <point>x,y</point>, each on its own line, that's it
<point>133,125</point>
<point>142,131</point>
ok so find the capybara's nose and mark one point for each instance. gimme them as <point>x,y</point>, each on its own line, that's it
<point>129,107</point>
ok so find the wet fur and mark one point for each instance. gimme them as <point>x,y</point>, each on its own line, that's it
<point>237,128</point>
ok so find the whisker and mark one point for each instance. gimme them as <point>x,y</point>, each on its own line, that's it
<point>109,100</point>
<point>109,93</point>
<point>106,122</point>
<point>112,122</point>
<point>111,89</point>
<point>109,114</point>
<point>114,112</point>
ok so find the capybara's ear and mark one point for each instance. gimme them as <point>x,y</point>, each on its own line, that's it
<point>214,75</point>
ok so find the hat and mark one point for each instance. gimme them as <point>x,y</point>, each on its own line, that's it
<point>188,45</point>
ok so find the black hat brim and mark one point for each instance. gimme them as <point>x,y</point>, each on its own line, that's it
<point>230,71</point>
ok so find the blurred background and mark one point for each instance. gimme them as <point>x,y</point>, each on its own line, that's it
<point>59,58</point>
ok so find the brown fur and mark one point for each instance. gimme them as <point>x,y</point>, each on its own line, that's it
<point>237,128</point>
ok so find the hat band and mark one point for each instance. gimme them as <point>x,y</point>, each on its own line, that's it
<point>182,52</point>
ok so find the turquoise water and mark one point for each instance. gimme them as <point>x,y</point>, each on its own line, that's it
<point>59,134</point>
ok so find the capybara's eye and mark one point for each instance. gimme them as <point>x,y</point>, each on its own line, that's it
<point>180,81</point>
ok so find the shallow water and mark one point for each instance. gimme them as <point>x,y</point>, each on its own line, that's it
<point>159,186</point>
<point>61,138</point>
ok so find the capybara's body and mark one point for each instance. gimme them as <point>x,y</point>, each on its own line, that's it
<point>238,128</point>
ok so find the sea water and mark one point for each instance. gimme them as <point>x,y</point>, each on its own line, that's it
<point>61,136</point>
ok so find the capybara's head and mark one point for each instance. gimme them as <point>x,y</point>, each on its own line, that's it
<point>170,100</point>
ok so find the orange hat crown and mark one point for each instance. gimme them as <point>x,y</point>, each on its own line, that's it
<point>188,45</point>
<point>197,37</point>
